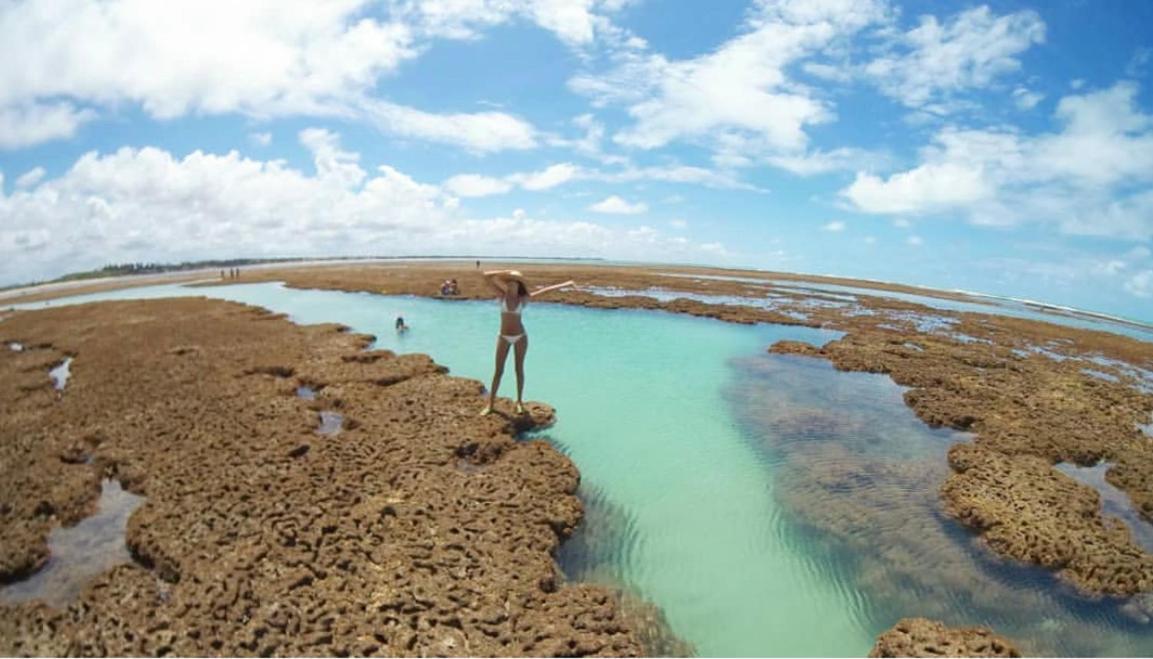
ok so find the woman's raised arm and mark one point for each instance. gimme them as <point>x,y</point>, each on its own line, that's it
<point>489,278</point>
<point>554,287</point>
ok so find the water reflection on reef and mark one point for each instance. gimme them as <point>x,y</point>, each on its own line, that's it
<point>81,552</point>
<point>856,475</point>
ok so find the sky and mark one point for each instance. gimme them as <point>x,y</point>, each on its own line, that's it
<point>1004,148</point>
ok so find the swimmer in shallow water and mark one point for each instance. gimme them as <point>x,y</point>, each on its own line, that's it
<point>514,293</point>
<point>401,328</point>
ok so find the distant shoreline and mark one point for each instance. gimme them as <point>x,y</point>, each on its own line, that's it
<point>200,270</point>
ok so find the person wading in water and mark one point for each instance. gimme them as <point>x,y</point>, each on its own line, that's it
<point>514,293</point>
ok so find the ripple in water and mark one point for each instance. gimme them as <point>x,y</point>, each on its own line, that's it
<point>81,552</point>
<point>857,477</point>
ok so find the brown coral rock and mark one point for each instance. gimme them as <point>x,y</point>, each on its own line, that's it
<point>1032,512</point>
<point>920,637</point>
<point>419,529</point>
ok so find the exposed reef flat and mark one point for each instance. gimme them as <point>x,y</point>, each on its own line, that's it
<point>419,529</point>
<point>919,637</point>
<point>1030,393</point>
<point>1027,390</point>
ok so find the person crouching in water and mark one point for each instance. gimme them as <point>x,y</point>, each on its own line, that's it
<point>514,294</point>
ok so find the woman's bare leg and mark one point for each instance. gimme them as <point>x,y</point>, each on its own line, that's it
<point>501,357</point>
<point>521,350</point>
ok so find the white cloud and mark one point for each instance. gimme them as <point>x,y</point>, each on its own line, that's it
<point>332,163</point>
<point>1092,177</point>
<point>147,204</point>
<point>26,123</point>
<point>679,224</point>
<point>575,22</point>
<point>1140,284</point>
<point>550,177</point>
<point>479,131</point>
<point>260,139</point>
<point>914,241</point>
<point>1025,99</point>
<point>218,57</point>
<point>476,185</point>
<point>618,206</point>
<point>835,226</point>
<point>926,189</point>
<point>63,61</point>
<point>870,240</point>
<point>935,60</point>
<point>739,95</point>
<point>30,178</point>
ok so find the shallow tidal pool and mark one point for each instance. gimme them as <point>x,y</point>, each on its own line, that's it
<point>768,504</point>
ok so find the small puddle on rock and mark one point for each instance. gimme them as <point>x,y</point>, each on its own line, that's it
<point>60,374</point>
<point>1114,502</point>
<point>330,423</point>
<point>81,552</point>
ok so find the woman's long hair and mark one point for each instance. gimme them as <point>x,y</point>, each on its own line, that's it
<point>521,290</point>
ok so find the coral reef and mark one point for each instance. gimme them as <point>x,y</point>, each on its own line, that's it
<point>420,529</point>
<point>920,637</point>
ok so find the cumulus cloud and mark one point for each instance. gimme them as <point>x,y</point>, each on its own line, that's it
<point>617,206</point>
<point>148,204</point>
<point>64,62</point>
<point>476,185</point>
<point>550,177</point>
<point>935,60</point>
<point>835,226</point>
<point>739,95</point>
<point>24,123</point>
<point>575,22</point>
<point>1094,176</point>
<point>260,139</point>
<point>30,178</point>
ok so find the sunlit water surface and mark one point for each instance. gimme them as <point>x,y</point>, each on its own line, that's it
<point>769,504</point>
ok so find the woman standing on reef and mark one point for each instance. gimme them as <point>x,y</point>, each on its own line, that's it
<point>513,296</point>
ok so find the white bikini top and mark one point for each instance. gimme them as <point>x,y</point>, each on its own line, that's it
<point>504,307</point>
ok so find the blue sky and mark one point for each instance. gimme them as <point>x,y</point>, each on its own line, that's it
<point>1004,147</point>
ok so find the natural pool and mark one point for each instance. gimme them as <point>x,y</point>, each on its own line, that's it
<point>769,504</point>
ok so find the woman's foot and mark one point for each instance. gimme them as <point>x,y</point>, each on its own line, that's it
<point>486,411</point>
<point>519,407</point>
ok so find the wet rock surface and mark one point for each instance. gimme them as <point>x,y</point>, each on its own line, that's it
<point>259,536</point>
<point>920,637</point>
<point>1063,529</point>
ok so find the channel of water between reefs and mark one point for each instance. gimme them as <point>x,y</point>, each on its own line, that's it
<point>768,504</point>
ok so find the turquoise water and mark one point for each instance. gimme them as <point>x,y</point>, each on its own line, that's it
<point>770,505</point>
